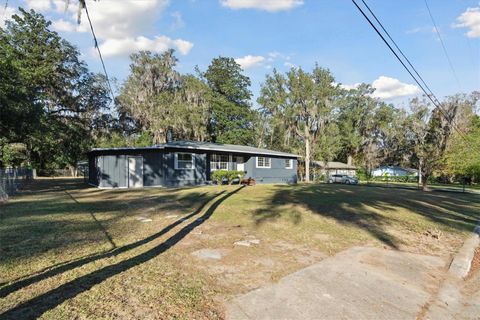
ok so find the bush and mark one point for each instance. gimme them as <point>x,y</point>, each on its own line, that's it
<point>221,176</point>
<point>363,175</point>
<point>396,178</point>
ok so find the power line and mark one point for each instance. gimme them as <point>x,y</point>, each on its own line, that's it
<point>443,45</point>
<point>430,95</point>
<point>397,47</point>
<point>84,4</point>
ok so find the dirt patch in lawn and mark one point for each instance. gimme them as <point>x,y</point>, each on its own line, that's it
<point>242,268</point>
<point>428,242</point>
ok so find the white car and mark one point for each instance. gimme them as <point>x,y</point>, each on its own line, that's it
<point>342,178</point>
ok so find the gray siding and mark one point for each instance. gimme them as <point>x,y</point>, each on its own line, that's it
<point>276,174</point>
<point>185,177</point>
<point>153,173</point>
<point>111,170</point>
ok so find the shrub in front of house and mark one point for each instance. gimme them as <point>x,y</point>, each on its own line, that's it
<point>227,176</point>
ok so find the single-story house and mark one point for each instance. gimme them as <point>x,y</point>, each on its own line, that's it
<point>334,167</point>
<point>394,171</point>
<point>181,163</point>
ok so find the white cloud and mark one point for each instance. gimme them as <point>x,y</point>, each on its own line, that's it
<point>64,26</point>
<point>387,88</point>
<point>120,26</point>
<point>470,19</point>
<point>267,5</point>
<point>6,15</point>
<point>62,6</point>
<point>126,18</point>
<point>178,22</point>
<point>390,88</point>
<point>273,55</point>
<point>349,86</point>
<point>39,5</point>
<point>250,61</point>
<point>289,65</point>
<point>59,6</point>
<point>126,46</point>
<point>421,30</point>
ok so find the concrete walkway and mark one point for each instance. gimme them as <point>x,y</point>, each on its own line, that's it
<point>360,283</point>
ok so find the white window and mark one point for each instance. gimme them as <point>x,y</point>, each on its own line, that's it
<point>288,164</point>
<point>184,161</point>
<point>264,162</point>
<point>219,162</point>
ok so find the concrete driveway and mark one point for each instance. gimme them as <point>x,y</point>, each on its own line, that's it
<point>360,283</point>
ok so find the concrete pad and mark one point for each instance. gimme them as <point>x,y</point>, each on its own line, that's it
<point>207,254</point>
<point>360,283</point>
<point>247,242</point>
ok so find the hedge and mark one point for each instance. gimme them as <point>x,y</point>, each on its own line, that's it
<point>224,175</point>
<point>395,178</point>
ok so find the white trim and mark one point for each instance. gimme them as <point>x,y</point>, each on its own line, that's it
<point>215,159</point>
<point>108,188</point>
<point>264,167</point>
<point>176,161</point>
<point>291,164</point>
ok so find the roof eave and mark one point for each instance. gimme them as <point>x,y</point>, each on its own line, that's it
<point>270,153</point>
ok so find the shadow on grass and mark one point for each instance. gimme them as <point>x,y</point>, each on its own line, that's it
<point>35,307</point>
<point>364,207</point>
<point>47,218</point>
<point>55,270</point>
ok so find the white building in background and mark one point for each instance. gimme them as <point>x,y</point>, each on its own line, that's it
<point>394,171</point>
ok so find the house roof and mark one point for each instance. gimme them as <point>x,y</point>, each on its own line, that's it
<point>334,165</point>
<point>209,146</point>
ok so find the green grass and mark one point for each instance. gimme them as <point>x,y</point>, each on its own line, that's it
<point>347,215</point>
<point>69,251</point>
<point>473,188</point>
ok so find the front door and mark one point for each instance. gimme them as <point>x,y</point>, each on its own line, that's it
<point>135,172</point>
<point>240,164</point>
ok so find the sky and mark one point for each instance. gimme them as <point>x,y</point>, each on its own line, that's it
<point>266,34</point>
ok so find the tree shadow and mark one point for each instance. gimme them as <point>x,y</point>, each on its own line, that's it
<point>360,207</point>
<point>57,269</point>
<point>30,226</point>
<point>35,307</point>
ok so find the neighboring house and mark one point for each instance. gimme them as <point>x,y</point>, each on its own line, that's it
<point>334,167</point>
<point>395,171</point>
<point>181,163</point>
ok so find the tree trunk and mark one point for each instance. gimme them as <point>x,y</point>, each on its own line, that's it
<point>307,155</point>
<point>424,182</point>
<point>419,173</point>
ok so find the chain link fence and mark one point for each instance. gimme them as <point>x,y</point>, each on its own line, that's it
<point>13,179</point>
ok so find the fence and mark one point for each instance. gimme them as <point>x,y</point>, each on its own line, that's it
<point>12,179</point>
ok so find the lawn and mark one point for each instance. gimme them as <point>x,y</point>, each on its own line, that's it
<point>472,188</point>
<point>71,251</point>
